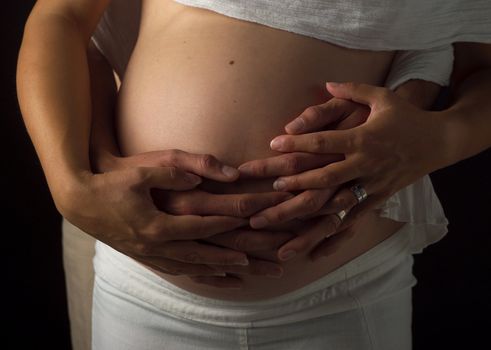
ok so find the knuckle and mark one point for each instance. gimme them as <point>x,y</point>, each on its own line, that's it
<point>180,205</point>
<point>357,140</point>
<point>143,249</point>
<point>327,178</point>
<point>332,223</point>
<point>312,203</point>
<point>207,161</point>
<point>318,143</point>
<point>243,206</point>
<point>303,244</point>
<point>293,182</point>
<point>172,157</point>
<point>313,112</point>
<point>278,216</point>
<point>152,232</point>
<point>350,141</point>
<point>137,176</point>
<point>351,85</point>
<point>259,168</point>
<point>292,164</point>
<point>339,104</point>
<point>241,242</point>
<point>200,227</point>
<point>341,202</point>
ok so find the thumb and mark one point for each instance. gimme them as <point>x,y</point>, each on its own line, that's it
<point>357,92</point>
<point>169,178</point>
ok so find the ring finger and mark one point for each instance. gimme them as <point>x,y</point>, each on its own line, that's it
<point>344,199</point>
<point>305,203</point>
<point>323,227</point>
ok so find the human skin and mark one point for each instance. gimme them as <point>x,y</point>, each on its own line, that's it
<point>106,157</point>
<point>62,191</point>
<point>54,96</point>
<point>383,164</point>
<point>202,91</point>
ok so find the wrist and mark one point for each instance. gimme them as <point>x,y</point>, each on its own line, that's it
<point>68,190</point>
<point>453,134</point>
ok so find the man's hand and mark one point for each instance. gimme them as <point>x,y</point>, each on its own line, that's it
<point>170,225</point>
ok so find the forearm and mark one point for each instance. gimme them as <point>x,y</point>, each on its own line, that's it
<point>53,92</point>
<point>466,123</point>
<point>417,75</point>
<point>103,146</point>
<point>420,93</point>
<point>468,119</point>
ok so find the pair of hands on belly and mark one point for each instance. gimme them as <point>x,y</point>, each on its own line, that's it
<point>384,142</point>
<point>207,236</point>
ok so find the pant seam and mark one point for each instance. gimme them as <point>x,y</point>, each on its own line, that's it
<point>243,341</point>
<point>362,310</point>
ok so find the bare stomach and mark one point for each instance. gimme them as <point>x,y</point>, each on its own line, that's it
<point>206,83</point>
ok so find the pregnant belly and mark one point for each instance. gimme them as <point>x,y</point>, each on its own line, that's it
<point>206,83</point>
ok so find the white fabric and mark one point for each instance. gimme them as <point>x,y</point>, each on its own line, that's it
<point>428,28</point>
<point>383,270</point>
<point>115,35</point>
<point>433,65</point>
<point>367,24</point>
<point>124,322</point>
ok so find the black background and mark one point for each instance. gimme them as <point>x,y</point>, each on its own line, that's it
<point>452,304</point>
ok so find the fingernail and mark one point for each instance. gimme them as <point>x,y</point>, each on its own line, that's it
<point>296,125</point>
<point>242,262</point>
<point>279,185</point>
<point>276,144</point>
<point>332,83</point>
<point>220,274</point>
<point>258,222</point>
<point>194,179</point>
<point>289,254</point>
<point>229,171</point>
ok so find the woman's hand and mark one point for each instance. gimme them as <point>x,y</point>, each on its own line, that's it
<point>396,145</point>
<point>337,114</point>
<point>119,209</point>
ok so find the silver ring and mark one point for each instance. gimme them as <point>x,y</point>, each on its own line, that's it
<point>359,193</point>
<point>341,214</point>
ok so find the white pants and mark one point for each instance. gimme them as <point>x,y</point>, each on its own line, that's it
<point>124,322</point>
<point>365,304</point>
<point>78,253</point>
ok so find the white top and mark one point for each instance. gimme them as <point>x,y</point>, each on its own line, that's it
<point>370,24</point>
<point>367,24</point>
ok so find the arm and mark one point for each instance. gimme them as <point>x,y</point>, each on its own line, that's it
<point>53,89</point>
<point>467,121</point>
<point>54,94</point>
<point>399,143</point>
<point>105,157</point>
<point>59,89</point>
<point>103,145</point>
